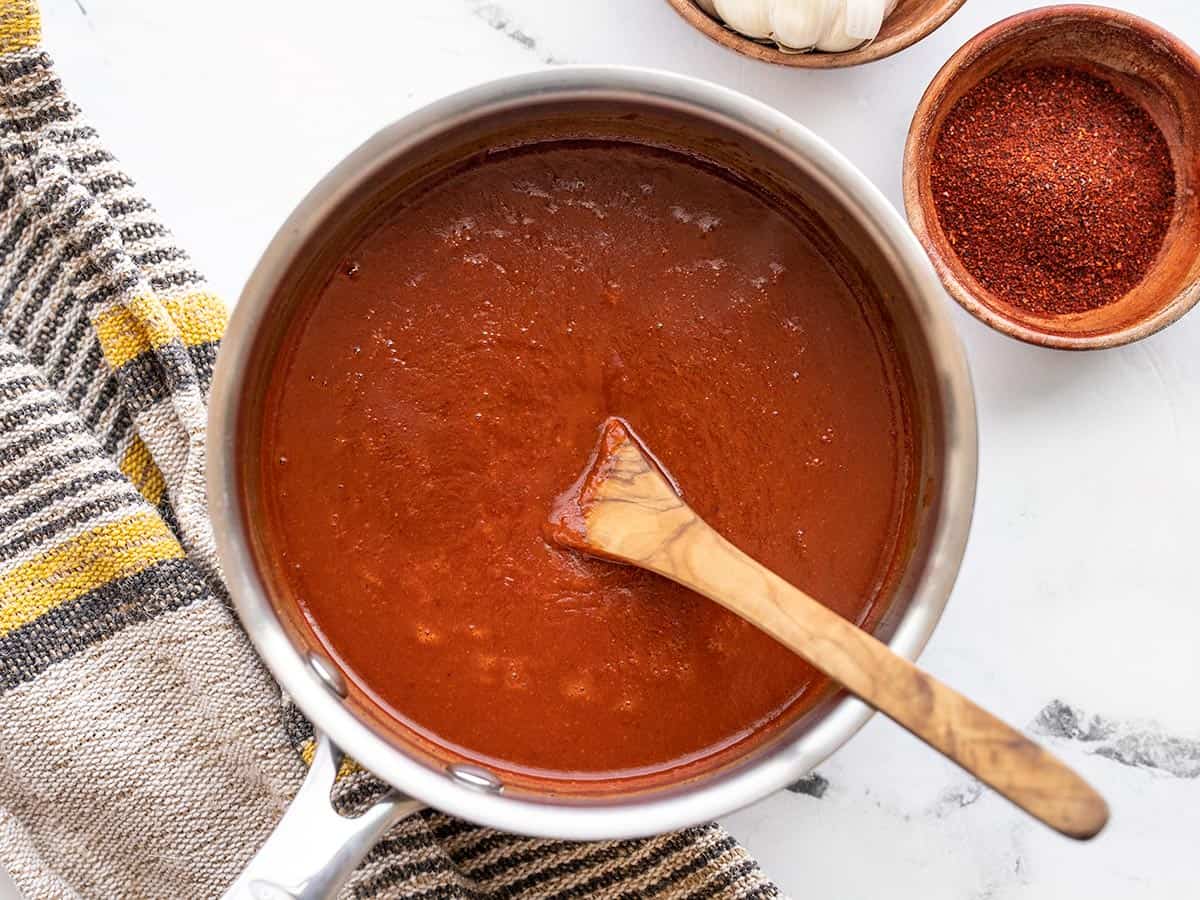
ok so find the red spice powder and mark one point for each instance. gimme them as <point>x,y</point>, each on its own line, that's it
<point>1054,189</point>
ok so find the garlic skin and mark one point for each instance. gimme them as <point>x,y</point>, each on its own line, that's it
<point>864,18</point>
<point>830,25</point>
<point>751,17</point>
<point>801,26</point>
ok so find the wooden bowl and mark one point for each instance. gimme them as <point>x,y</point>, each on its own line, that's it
<point>910,21</point>
<point>1147,64</point>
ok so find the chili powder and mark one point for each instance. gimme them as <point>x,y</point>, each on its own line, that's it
<point>1053,187</point>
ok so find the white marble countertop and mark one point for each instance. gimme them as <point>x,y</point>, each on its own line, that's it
<point>1078,587</point>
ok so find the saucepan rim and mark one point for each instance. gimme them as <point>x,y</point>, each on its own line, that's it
<point>706,798</point>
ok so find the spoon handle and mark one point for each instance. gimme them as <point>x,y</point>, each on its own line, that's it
<point>695,555</point>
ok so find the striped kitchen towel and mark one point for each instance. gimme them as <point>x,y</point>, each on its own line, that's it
<point>144,751</point>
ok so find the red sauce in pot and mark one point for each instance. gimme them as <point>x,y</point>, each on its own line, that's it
<point>444,386</point>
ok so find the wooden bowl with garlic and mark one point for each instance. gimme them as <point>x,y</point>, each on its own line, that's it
<point>816,34</point>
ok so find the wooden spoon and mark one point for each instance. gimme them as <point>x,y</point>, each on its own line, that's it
<point>622,508</point>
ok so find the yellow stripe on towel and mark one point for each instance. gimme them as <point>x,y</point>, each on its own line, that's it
<point>139,467</point>
<point>129,330</point>
<point>82,564</point>
<point>348,767</point>
<point>20,25</point>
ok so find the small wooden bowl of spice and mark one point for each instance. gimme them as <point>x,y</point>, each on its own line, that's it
<point>1052,172</point>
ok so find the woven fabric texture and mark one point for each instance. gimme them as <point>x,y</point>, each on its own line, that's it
<point>144,751</point>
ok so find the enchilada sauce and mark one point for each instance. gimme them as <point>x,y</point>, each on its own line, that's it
<point>447,382</point>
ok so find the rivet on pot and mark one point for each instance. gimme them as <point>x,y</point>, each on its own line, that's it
<point>475,777</point>
<point>328,673</point>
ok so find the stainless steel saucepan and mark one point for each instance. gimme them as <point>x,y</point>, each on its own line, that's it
<point>313,850</point>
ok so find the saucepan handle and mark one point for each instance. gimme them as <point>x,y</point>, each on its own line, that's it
<point>313,849</point>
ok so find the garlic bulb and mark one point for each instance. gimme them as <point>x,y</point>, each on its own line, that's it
<point>832,25</point>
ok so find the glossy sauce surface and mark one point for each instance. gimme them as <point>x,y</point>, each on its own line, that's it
<point>447,384</point>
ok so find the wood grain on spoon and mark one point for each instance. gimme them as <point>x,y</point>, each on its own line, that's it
<point>623,508</point>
